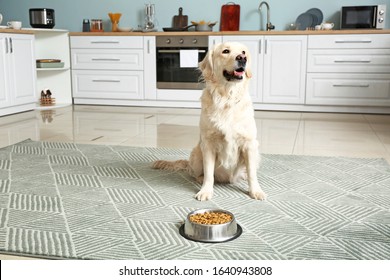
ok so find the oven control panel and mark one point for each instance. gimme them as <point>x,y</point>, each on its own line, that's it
<point>184,41</point>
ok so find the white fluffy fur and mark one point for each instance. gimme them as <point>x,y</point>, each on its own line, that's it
<point>228,149</point>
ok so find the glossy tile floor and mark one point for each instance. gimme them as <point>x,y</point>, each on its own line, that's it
<point>352,135</point>
<point>325,134</point>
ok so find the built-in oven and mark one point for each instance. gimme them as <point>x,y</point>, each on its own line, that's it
<point>177,59</point>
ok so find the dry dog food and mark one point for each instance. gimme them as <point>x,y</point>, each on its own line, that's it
<point>211,218</point>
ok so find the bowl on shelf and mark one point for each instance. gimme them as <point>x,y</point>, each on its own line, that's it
<point>125,29</point>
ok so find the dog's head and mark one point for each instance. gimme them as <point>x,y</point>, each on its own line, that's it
<point>229,62</point>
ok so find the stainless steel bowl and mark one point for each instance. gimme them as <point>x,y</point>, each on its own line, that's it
<point>210,233</point>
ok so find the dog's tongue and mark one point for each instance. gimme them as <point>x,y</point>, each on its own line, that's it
<point>239,73</point>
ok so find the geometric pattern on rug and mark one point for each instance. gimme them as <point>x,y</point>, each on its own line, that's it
<point>78,201</point>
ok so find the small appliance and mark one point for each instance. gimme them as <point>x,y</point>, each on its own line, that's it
<point>42,18</point>
<point>359,17</point>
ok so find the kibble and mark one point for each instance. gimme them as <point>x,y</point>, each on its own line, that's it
<point>211,218</point>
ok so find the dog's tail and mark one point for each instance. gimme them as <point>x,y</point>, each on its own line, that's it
<point>177,165</point>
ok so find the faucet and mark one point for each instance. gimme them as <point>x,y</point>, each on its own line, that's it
<point>269,24</point>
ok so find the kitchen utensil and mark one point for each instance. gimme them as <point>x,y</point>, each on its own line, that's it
<point>180,20</point>
<point>317,16</point>
<point>230,17</point>
<point>210,233</point>
<point>149,17</point>
<point>304,21</point>
<point>114,17</point>
<point>42,18</point>
<point>1,18</point>
<point>177,29</point>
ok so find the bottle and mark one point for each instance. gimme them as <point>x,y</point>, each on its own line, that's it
<point>86,25</point>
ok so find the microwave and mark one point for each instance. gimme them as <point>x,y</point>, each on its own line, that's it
<point>356,17</point>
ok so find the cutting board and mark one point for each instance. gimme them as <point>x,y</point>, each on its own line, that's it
<point>230,17</point>
<point>180,21</point>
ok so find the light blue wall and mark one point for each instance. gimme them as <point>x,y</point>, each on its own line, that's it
<point>70,13</point>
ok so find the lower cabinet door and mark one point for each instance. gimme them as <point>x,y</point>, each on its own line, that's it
<point>107,84</point>
<point>348,89</point>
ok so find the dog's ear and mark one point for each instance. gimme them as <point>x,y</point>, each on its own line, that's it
<point>206,66</point>
<point>248,72</point>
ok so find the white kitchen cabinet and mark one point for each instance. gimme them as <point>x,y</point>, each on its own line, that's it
<point>284,69</point>
<point>150,71</point>
<point>17,73</point>
<point>107,68</point>
<point>54,44</point>
<point>349,89</point>
<point>278,67</point>
<point>214,40</point>
<point>5,98</point>
<point>108,84</point>
<point>349,70</point>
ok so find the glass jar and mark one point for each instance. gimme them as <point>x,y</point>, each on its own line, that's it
<point>97,25</point>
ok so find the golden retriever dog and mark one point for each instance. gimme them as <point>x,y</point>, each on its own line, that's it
<point>228,149</point>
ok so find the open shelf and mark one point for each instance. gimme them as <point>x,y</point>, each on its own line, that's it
<point>53,44</point>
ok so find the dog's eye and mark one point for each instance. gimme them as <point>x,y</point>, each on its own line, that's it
<point>243,52</point>
<point>226,51</point>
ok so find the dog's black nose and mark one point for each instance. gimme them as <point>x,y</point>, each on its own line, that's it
<point>241,57</point>
<point>241,60</point>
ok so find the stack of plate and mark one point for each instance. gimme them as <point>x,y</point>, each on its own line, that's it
<point>309,19</point>
<point>50,63</point>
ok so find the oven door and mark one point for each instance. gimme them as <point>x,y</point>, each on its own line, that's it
<point>357,17</point>
<point>170,75</point>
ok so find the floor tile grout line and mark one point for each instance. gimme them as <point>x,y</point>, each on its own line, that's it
<point>387,156</point>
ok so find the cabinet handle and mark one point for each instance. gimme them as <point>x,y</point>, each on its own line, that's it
<point>353,41</point>
<point>105,59</point>
<point>351,85</point>
<point>265,46</point>
<point>260,45</point>
<point>105,81</point>
<point>148,46</point>
<point>353,61</point>
<point>176,51</point>
<point>104,42</point>
<point>6,46</point>
<point>11,48</point>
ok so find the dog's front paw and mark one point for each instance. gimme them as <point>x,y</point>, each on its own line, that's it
<point>258,194</point>
<point>204,195</point>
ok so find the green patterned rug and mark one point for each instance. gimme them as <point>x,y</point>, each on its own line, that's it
<point>64,200</point>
